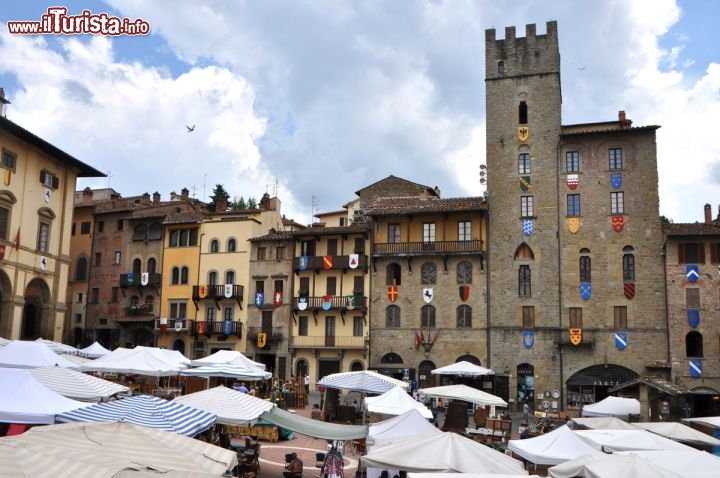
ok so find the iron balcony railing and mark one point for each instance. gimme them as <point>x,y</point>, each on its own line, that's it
<point>322,341</point>
<point>131,279</point>
<point>217,291</point>
<point>347,302</point>
<point>173,325</point>
<point>315,263</point>
<point>435,247</point>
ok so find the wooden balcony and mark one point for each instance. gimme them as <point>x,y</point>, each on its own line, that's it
<point>317,263</point>
<point>427,248</point>
<point>138,310</point>
<point>217,327</point>
<point>322,341</point>
<point>351,302</point>
<point>130,279</point>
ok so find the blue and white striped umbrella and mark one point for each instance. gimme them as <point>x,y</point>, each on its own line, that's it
<point>361,381</point>
<point>147,411</point>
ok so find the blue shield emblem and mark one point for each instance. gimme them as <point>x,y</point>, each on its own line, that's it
<point>130,278</point>
<point>693,318</point>
<point>695,368</point>
<point>303,262</point>
<point>621,340</point>
<point>227,327</point>
<point>527,226</point>
<point>585,290</point>
<point>528,339</point>
<point>615,180</point>
<point>259,299</point>
<point>693,272</point>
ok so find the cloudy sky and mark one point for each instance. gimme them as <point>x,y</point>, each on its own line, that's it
<point>319,98</point>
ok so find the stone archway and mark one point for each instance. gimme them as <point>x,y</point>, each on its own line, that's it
<point>469,358</point>
<point>591,384</point>
<point>179,345</point>
<point>36,318</point>
<point>6,307</point>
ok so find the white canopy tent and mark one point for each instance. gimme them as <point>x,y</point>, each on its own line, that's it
<point>679,432</point>
<point>445,452</point>
<point>77,385</point>
<point>230,406</point>
<point>610,466</point>
<point>395,401</point>
<point>466,475</point>
<point>60,348</point>
<point>462,368</point>
<point>25,400</point>
<point>140,361</point>
<point>95,350</point>
<point>552,448</point>
<point>627,440</point>
<point>238,372</point>
<point>713,422</point>
<point>689,463</point>
<point>361,381</point>
<point>603,423</point>
<point>465,393</point>
<point>232,357</point>
<point>110,450</point>
<point>30,354</point>
<point>612,406</point>
<point>171,356</point>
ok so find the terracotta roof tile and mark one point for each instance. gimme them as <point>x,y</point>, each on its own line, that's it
<point>691,229</point>
<point>424,205</point>
<point>322,230</point>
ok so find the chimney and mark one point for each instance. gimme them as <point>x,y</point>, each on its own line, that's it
<point>3,102</point>
<point>146,198</point>
<point>622,119</point>
<point>156,197</point>
<point>621,116</point>
<point>184,194</point>
<point>708,214</point>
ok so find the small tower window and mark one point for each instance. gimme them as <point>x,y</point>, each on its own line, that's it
<point>522,113</point>
<point>501,68</point>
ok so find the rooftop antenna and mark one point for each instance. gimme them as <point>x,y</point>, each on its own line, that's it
<point>204,181</point>
<point>315,201</point>
<point>109,175</point>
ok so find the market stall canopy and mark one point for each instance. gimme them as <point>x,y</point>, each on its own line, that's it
<point>111,450</point>
<point>552,448</point>
<point>238,372</point>
<point>232,357</point>
<point>610,466</point>
<point>627,440</point>
<point>361,381</point>
<point>25,400</point>
<point>77,385</point>
<point>95,350</point>
<point>713,422</point>
<point>313,428</point>
<point>29,354</point>
<point>395,401</point>
<point>60,348</point>
<point>410,423</point>
<point>140,361</point>
<point>612,407</point>
<point>603,423</point>
<point>462,368</point>
<point>230,406</point>
<point>147,411</point>
<point>171,356</point>
<point>445,452</point>
<point>4,342</point>
<point>688,463</point>
<point>464,393</point>
<point>467,475</point>
<point>679,432</point>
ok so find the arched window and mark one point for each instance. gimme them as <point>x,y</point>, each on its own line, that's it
<point>175,275</point>
<point>522,113</point>
<point>137,266</point>
<point>391,358</point>
<point>464,273</point>
<point>230,277</point>
<point>214,245</point>
<point>464,317</point>
<point>231,245</point>
<point>428,273</point>
<point>585,268</point>
<point>524,281</point>
<point>394,273</point>
<point>184,272</point>
<point>212,278</point>
<point>81,269</point>
<point>524,253</point>
<point>152,265</point>
<point>694,344</point>
<point>392,316</point>
<point>501,68</point>
<point>628,264</point>
<point>427,316</point>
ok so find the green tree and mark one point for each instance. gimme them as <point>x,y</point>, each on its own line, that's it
<point>251,203</point>
<point>238,204</point>
<point>219,198</point>
<point>665,220</point>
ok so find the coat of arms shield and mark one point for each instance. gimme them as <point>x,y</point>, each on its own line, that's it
<point>427,295</point>
<point>621,340</point>
<point>528,339</point>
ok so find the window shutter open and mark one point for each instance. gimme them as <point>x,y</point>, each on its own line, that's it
<point>681,253</point>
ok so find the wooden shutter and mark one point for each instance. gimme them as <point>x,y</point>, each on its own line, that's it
<point>681,253</point>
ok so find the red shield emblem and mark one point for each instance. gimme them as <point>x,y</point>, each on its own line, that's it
<point>629,289</point>
<point>202,291</point>
<point>464,292</point>
<point>163,324</point>
<point>2,251</point>
<point>572,181</point>
<point>327,262</point>
<point>392,293</point>
<point>200,327</point>
<point>575,336</point>
<point>618,223</point>
<point>277,299</point>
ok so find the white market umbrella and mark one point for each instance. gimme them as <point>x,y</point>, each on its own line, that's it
<point>462,368</point>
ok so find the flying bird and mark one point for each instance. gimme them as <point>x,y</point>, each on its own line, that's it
<point>189,129</point>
